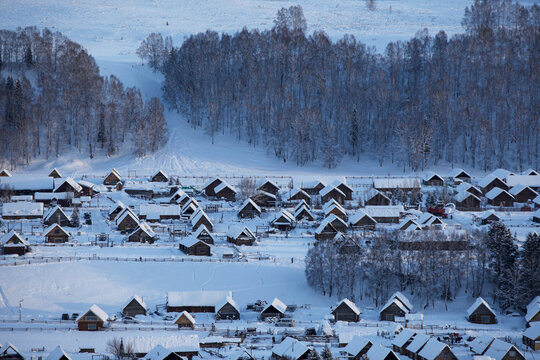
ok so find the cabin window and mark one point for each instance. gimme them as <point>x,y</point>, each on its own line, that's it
<point>512,353</point>
<point>485,319</point>
<point>56,231</point>
<point>389,317</point>
<point>90,318</point>
<point>92,327</point>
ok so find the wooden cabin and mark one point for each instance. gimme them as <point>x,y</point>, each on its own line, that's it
<point>227,309</point>
<point>268,186</point>
<point>299,195</point>
<point>69,186</point>
<point>13,244</point>
<point>491,181</point>
<point>127,220</point>
<point>467,200</point>
<point>249,210</point>
<point>357,347</point>
<point>205,235</point>
<point>531,337</point>
<point>143,234</point>
<point>303,213</point>
<point>436,350</point>
<point>55,173</point>
<point>284,221</point>
<point>225,191</point>
<point>185,320</point>
<point>379,352</point>
<point>135,306</point>
<point>533,311</point>
<point>192,246</point>
<point>88,189</point>
<point>22,210</point>
<point>481,313</point>
<point>345,189</point>
<point>499,197</point>
<point>501,350</point>
<point>160,176</point>
<point>56,216</point>
<point>116,209</point>
<point>460,175</point>
<point>385,214</point>
<point>93,320</point>
<point>199,219</point>
<point>240,235</point>
<point>336,209</point>
<point>523,194</point>
<point>416,345</point>
<point>346,310</point>
<point>402,340</point>
<point>195,301</point>
<point>489,217</point>
<point>112,178</point>
<point>331,192</point>
<point>392,309</point>
<point>55,234</point>
<point>209,187</point>
<point>10,352</point>
<point>433,179</point>
<point>264,199</point>
<point>290,349</point>
<point>325,231</point>
<point>5,173</point>
<point>362,220</point>
<point>375,197</point>
<point>276,309</point>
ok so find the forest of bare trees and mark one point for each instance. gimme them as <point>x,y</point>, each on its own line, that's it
<point>431,265</point>
<point>53,100</point>
<point>469,100</point>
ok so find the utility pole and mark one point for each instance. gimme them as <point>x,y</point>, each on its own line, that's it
<point>20,309</point>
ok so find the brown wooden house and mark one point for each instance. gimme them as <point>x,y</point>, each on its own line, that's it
<point>93,320</point>
<point>116,209</point>
<point>402,340</point>
<point>362,220</point>
<point>192,246</point>
<point>303,213</point>
<point>209,187</point>
<point>127,220</point>
<point>56,216</point>
<point>135,306</point>
<point>375,197</point>
<point>199,219</point>
<point>501,350</point>
<point>299,195</point>
<point>436,350</point>
<point>481,313</point>
<point>249,209</point>
<point>185,320</point>
<point>5,173</point>
<point>56,234</point>
<point>357,347</point>
<point>531,337</point>
<point>264,199</point>
<point>460,175</point>
<point>239,235</point>
<point>325,231</point>
<point>490,182</point>
<point>467,200</point>
<point>88,189</point>
<point>331,192</point>
<point>313,187</point>
<point>227,309</point>
<point>143,234</point>
<point>268,186</point>
<point>112,178</point>
<point>276,309</point>
<point>345,189</point>
<point>522,193</point>
<point>346,310</point>
<point>160,176</point>
<point>225,191</point>
<point>499,197</point>
<point>13,244</point>
<point>433,179</point>
<point>205,235</point>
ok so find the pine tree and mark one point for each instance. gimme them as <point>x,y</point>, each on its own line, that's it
<point>74,219</point>
<point>101,135</point>
<point>314,355</point>
<point>28,58</point>
<point>326,354</point>
<point>529,267</point>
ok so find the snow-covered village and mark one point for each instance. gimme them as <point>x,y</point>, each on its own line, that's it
<point>254,179</point>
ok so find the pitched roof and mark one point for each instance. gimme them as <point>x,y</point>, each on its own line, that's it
<point>227,300</point>
<point>488,179</point>
<point>430,175</point>
<point>532,309</point>
<point>22,208</point>
<point>519,188</point>
<point>52,227</point>
<point>464,186</point>
<point>4,349</point>
<point>247,202</point>
<point>158,353</point>
<point>481,343</point>
<point>378,352</point>
<point>384,210</point>
<point>162,173</point>
<point>224,185</point>
<point>493,193</point>
<point>328,188</point>
<point>528,180</point>
<point>432,349</point>
<point>498,349</point>
<point>201,229</point>
<point>479,301</point>
<point>18,238</point>
<point>196,298</point>
<point>57,354</point>
<point>462,196</point>
<point>52,211</point>
<point>297,191</point>
<point>71,182</point>
<point>156,211</point>
<point>102,315</point>
<point>236,230</point>
<point>125,213</point>
<point>457,171</point>
<point>187,315</point>
<point>330,204</point>
<point>276,304</point>
<point>533,332</point>
<point>284,217</point>
<point>117,205</point>
<point>358,215</point>
<point>350,305</point>
<point>290,348</point>
<point>418,341</point>
<point>312,184</point>
<point>402,338</point>
<point>357,344</point>
<point>138,299</point>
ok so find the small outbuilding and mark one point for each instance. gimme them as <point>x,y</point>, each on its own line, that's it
<point>112,178</point>
<point>481,313</point>
<point>56,234</point>
<point>190,245</point>
<point>276,309</point>
<point>185,320</point>
<point>93,320</point>
<point>135,306</point>
<point>160,176</point>
<point>346,310</point>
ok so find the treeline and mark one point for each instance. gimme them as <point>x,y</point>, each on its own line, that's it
<point>53,100</point>
<point>469,100</point>
<point>479,264</point>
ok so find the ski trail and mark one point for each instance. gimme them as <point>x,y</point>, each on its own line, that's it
<point>5,300</point>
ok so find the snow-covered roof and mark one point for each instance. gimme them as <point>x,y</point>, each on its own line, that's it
<point>27,182</point>
<point>384,210</point>
<point>397,183</point>
<point>430,175</point>
<point>378,352</point>
<point>501,173</point>
<point>162,173</point>
<point>196,298</point>
<point>325,328</point>
<point>488,213</point>
<point>117,205</point>
<point>125,213</point>
<point>53,195</point>
<point>227,300</point>
<point>350,305</point>
<point>356,345</point>
<point>210,181</point>
<point>371,193</point>
<point>358,215</point>
<point>418,341</point>
<point>342,183</point>
<point>398,303</point>
<point>330,204</point>
<point>197,216</point>
<point>71,182</point>
<point>52,211</point>
<point>235,230</point>
<point>457,171</point>
<point>189,241</point>
<point>498,349</point>
<point>464,186</point>
<point>96,310</point>
<point>57,354</point>
<point>534,302</point>
<point>462,196</point>
<point>187,315</point>
<point>158,353</point>
<point>144,227</point>
<point>176,343</point>
<point>18,239</point>
<point>296,191</point>
<point>200,229</point>
<point>290,348</point>
<point>4,349</point>
<point>6,172</point>
<point>249,201</point>
<point>527,180</point>
<point>488,179</point>
<point>138,299</point>
<point>178,193</point>
<point>493,193</point>
<point>532,309</point>
<point>481,343</point>
<point>432,349</point>
<point>530,172</point>
<point>284,217</point>
<point>328,188</point>
<point>479,301</point>
<point>156,211</point>
<point>87,184</point>
<point>402,338</point>
<point>53,226</point>
<point>22,208</point>
<point>410,224</point>
<point>312,184</point>
<point>327,220</point>
<point>277,304</point>
<point>533,332</point>
<point>301,209</point>
<point>266,180</point>
<point>515,190</point>
<point>398,295</point>
<point>333,207</point>
<point>224,185</point>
